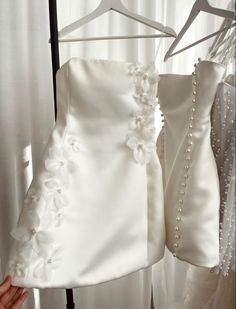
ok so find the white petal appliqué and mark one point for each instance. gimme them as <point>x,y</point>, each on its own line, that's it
<point>142,132</point>
<point>59,162</point>
<point>143,153</point>
<point>27,227</point>
<point>17,268</point>
<point>74,144</point>
<point>45,266</point>
<point>55,193</point>
<point>33,233</point>
<point>32,198</point>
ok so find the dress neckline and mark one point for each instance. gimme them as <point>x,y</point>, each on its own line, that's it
<point>145,66</point>
<point>109,61</point>
<point>205,62</point>
<point>148,64</point>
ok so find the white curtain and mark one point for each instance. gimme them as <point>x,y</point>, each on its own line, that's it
<point>27,117</point>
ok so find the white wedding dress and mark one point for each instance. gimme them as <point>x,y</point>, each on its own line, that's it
<point>192,197</point>
<point>215,288</point>
<point>94,210</point>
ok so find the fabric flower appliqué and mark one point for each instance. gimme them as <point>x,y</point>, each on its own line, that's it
<point>18,267</point>
<point>74,144</point>
<point>31,232</point>
<point>142,150</point>
<point>44,211</point>
<point>55,193</point>
<point>45,266</point>
<point>142,132</point>
<point>32,199</point>
<point>59,161</point>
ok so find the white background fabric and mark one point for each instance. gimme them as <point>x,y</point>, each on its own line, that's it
<point>26,118</point>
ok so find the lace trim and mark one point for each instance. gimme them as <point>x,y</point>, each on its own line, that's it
<point>141,133</point>
<point>43,211</point>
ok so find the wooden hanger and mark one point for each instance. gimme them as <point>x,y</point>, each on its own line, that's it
<point>115,5</point>
<point>199,5</point>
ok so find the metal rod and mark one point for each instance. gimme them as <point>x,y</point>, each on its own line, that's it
<point>69,297</point>
<point>55,66</point>
<point>54,46</point>
<point>152,306</point>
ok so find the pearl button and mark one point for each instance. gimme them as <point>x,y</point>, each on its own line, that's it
<point>187,156</point>
<point>174,255</point>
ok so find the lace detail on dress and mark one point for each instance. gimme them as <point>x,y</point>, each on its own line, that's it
<point>43,212</point>
<point>223,144</point>
<point>142,132</point>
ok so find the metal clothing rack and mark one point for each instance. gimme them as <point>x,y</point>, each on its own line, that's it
<point>55,66</point>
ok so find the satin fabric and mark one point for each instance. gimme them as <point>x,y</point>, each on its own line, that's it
<point>215,288</point>
<point>92,212</point>
<point>197,238</point>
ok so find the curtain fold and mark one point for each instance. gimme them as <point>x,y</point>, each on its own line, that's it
<point>27,117</point>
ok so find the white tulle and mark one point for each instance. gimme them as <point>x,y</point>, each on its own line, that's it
<point>223,143</point>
